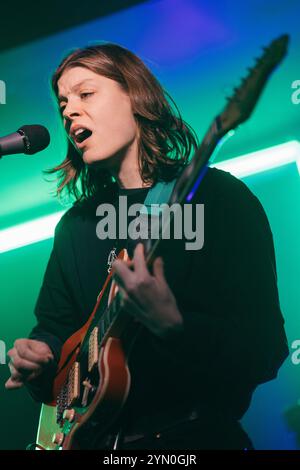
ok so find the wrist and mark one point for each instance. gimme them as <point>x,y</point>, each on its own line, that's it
<point>172,329</point>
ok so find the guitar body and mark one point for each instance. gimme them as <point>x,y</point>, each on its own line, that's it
<point>92,382</point>
<point>104,408</point>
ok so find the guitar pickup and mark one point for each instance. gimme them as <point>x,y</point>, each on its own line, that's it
<point>93,349</point>
<point>73,389</point>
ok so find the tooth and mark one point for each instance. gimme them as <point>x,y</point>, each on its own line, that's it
<point>78,131</point>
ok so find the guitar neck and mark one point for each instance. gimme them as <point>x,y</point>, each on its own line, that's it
<point>190,179</point>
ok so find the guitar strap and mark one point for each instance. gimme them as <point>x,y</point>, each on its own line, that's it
<point>149,218</point>
<point>160,193</point>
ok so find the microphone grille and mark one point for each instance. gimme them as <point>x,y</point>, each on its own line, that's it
<point>36,138</point>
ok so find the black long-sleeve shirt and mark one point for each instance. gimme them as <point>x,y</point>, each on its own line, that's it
<point>233,337</point>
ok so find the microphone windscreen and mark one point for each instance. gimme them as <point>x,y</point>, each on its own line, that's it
<point>36,138</point>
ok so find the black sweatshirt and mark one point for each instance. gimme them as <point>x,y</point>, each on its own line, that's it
<point>233,337</point>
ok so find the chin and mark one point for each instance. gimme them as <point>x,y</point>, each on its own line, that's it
<point>94,160</point>
<point>90,156</point>
<point>108,158</point>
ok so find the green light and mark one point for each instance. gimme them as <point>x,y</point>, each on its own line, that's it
<point>29,232</point>
<point>249,164</point>
<point>262,160</point>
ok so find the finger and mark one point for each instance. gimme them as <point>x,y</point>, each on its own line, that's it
<point>158,270</point>
<point>24,365</point>
<point>39,352</point>
<point>34,351</point>
<point>123,275</point>
<point>18,356</point>
<point>30,359</point>
<point>129,263</point>
<point>125,302</point>
<point>15,374</point>
<point>139,261</point>
<point>11,384</point>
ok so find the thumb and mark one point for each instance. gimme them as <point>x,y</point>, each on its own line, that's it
<point>13,384</point>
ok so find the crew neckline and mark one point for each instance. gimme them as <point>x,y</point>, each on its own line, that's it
<point>123,191</point>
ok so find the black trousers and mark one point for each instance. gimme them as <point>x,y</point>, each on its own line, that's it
<point>192,435</point>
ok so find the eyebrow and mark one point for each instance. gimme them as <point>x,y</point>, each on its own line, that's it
<point>75,88</point>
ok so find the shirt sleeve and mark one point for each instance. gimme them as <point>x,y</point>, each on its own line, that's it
<point>55,310</point>
<point>238,331</point>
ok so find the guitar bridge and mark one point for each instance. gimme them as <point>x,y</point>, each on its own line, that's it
<point>73,392</point>
<point>93,349</point>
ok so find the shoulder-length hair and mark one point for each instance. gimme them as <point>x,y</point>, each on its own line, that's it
<point>165,139</point>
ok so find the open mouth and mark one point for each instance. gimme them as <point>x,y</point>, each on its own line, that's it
<point>80,135</point>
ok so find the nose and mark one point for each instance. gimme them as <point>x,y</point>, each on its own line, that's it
<point>70,113</point>
<point>71,110</point>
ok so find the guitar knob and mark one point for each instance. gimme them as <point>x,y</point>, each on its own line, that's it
<point>69,415</point>
<point>58,438</point>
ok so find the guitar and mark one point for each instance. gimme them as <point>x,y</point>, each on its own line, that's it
<point>92,381</point>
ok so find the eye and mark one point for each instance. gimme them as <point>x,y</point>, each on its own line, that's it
<point>86,94</point>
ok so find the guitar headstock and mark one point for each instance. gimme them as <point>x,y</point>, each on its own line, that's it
<point>241,104</point>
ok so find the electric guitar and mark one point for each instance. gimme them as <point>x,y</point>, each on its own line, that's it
<point>92,381</point>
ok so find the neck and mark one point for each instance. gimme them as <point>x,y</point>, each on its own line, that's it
<point>130,179</point>
<point>126,170</point>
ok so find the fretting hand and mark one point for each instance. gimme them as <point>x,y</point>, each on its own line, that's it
<point>147,296</point>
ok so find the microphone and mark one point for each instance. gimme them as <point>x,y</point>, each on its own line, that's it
<point>27,139</point>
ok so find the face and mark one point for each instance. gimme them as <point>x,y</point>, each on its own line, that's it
<point>99,106</point>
